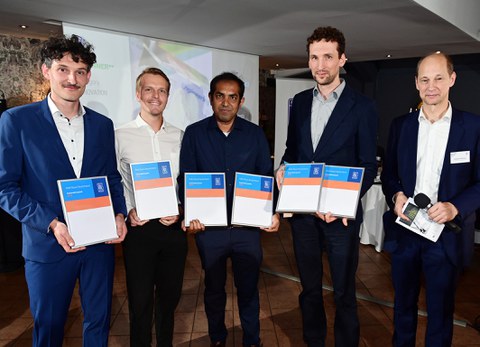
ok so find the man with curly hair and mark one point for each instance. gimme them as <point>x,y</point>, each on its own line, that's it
<point>335,125</point>
<point>41,143</point>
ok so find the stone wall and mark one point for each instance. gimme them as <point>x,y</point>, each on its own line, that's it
<point>21,79</point>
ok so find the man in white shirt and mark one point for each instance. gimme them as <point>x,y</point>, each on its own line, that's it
<point>156,249</point>
<point>434,151</point>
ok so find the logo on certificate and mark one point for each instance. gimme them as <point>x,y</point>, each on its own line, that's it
<point>100,187</point>
<point>164,170</point>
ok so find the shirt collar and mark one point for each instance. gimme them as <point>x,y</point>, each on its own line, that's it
<point>335,93</point>
<point>447,117</point>
<point>56,112</point>
<point>140,122</point>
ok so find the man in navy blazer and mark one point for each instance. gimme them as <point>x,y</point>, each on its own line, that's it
<point>335,125</point>
<point>435,151</point>
<point>41,143</point>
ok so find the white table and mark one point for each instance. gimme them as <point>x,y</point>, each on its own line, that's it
<point>374,206</point>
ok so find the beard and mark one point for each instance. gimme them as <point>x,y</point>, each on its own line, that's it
<point>325,81</point>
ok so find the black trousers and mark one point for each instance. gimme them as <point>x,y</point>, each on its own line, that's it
<point>310,237</point>
<point>154,257</point>
<point>10,243</point>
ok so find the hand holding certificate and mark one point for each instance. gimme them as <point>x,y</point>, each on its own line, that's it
<point>327,189</point>
<point>88,210</point>
<point>419,222</point>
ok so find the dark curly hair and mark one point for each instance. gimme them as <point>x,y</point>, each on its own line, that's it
<point>56,47</point>
<point>328,34</point>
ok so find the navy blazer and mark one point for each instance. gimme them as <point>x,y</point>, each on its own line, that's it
<point>33,158</point>
<point>349,138</point>
<point>459,183</point>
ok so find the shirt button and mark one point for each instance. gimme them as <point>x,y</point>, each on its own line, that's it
<point>73,158</point>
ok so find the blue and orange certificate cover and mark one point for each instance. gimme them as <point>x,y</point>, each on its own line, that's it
<point>252,200</point>
<point>341,190</point>
<point>300,189</point>
<point>205,198</point>
<point>154,190</point>
<point>88,210</point>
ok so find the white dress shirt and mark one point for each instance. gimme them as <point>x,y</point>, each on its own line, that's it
<point>136,142</point>
<point>72,134</point>
<point>432,144</point>
<point>322,110</point>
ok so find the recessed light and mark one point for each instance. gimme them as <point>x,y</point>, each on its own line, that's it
<point>23,26</point>
<point>388,55</point>
<point>277,65</point>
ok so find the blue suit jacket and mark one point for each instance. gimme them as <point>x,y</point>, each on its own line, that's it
<point>33,158</point>
<point>459,183</point>
<point>349,138</point>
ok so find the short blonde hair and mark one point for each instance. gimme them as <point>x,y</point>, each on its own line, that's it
<point>151,71</point>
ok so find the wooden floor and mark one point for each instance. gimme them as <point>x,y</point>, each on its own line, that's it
<point>280,315</point>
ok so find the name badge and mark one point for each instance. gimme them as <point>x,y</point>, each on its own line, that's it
<point>460,157</point>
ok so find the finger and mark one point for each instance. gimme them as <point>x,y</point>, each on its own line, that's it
<point>345,221</point>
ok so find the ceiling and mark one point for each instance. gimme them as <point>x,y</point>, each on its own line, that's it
<point>274,30</point>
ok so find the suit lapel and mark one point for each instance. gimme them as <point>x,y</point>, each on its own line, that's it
<point>455,137</point>
<point>51,132</point>
<point>408,152</point>
<point>306,127</point>
<point>87,133</point>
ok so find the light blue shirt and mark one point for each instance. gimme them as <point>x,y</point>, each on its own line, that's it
<point>322,110</point>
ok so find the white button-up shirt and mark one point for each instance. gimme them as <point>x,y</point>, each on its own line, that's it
<point>432,144</point>
<point>136,142</point>
<point>72,134</point>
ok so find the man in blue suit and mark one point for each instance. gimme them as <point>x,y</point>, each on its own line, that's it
<point>41,143</point>
<point>435,151</point>
<point>333,124</point>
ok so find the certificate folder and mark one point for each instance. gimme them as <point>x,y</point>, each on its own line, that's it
<point>300,191</point>
<point>88,211</point>
<point>205,198</point>
<point>252,200</point>
<point>154,190</point>
<point>341,190</point>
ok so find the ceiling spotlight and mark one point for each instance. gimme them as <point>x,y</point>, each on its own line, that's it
<point>277,65</point>
<point>388,55</point>
<point>438,52</point>
<point>23,26</point>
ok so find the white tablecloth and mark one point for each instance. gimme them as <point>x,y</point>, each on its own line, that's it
<point>374,205</point>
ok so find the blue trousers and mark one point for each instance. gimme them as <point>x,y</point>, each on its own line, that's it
<point>242,246</point>
<point>311,236</point>
<point>51,286</point>
<point>416,255</point>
